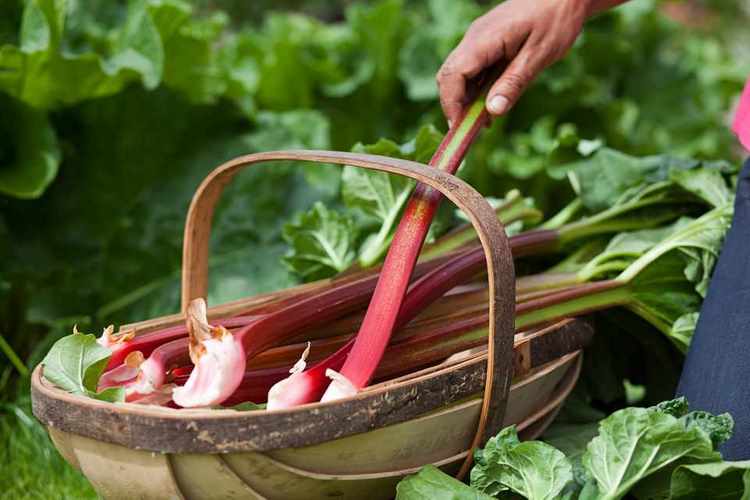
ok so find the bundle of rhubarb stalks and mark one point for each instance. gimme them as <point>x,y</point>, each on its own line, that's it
<point>642,234</point>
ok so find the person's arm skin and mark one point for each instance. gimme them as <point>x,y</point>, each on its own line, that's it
<point>525,35</point>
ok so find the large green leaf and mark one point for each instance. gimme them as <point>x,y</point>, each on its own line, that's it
<point>157,42</point>
<point>533,469</point>
<point>430,482</point>
<point>636,442</point>
<point>719,480</point>
<point>608,176</point>
<point>29,151</point>
<point>321,243</point>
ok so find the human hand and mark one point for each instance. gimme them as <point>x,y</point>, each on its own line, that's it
<point>525,36</point>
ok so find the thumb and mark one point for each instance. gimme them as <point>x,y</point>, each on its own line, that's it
<point>513,82</point>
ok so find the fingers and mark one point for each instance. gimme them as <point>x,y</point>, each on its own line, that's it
<point>516,78</point>
<point>452,87</point>
<point>464,63</point>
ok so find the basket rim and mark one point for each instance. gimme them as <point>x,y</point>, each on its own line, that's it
<point>223,430</point>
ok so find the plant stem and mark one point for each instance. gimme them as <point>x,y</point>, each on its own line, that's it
<point>513,209</point>
<point>13,357</point>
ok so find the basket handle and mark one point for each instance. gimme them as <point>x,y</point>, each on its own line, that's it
<point>500,272</point>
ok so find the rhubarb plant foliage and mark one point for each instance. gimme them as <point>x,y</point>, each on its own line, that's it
<point>119,109</point>
<point>655,452</point>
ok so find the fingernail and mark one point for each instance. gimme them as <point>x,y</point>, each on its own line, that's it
<point>498,104</point>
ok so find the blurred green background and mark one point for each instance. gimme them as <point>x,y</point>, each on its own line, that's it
<point>111,113</point>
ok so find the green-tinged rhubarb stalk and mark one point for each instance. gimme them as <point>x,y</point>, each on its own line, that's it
<point>669,264</point>
<point>514,208</point>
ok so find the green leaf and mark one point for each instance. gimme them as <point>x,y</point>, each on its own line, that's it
<point>525,154</point>
<point>156,42</point>
<point>707,182</point>
<point>677,407</point>
<point>433,484</point>
<point>664,284</point>
<point>636,442</point>
<point>571,439</point>
<point>249,406</point>
<point>29,153</point>
<point>718,480</point>
<point>604,178</point>
<point>426,48</point>
<point>110,395</point>
<point>532,469</point>
<point>378,198</point>
<point>321,243</point>
<point>193,66</point>
<point>75,364</point>
<point>380,29</point>
<point>683,328</point>
<point>718,427</point>
<point>624,248</point>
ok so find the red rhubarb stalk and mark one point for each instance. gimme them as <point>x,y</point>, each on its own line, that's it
<point>286,322</point>
<point>380,319</point>
<point>123,343</point>
<point>433,342</point>
<point>209,385</point>
<point>324,307</point>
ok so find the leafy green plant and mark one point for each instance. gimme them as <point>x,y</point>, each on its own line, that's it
<point>637,450</point>
<point>118,115</point>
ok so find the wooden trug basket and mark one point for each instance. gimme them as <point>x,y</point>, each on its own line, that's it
<point>359,447</point>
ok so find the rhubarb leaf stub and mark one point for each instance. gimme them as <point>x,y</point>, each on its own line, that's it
<point>283,393</point>
<point>218,357</point>
<point>339,388</point>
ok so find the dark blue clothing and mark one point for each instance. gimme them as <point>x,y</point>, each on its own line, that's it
<point>716,376</point>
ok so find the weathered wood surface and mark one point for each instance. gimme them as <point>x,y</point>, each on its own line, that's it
<point>339,469</point>
<point>219,431</point>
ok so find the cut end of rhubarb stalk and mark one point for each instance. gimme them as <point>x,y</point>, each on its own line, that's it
<point>124,374</point>
<point>293,390</point>
<point>339,388</point>
<point>112,340</point>
<point>150,377</point>
<point>198,327</point>
<point>219,362</point>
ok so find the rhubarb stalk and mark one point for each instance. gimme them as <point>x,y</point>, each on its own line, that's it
<point>381,315</point>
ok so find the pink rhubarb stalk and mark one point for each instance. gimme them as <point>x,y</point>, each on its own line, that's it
<point>124,343</point>
<point>380,319</point>
<point>307,387</point>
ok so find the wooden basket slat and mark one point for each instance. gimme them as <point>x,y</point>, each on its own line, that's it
<point>221,431</point>
<point>428,438</point>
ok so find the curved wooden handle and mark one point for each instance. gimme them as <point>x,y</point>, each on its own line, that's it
<point>500,272</point>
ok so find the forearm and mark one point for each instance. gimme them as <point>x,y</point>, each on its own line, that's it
<point>597,6</point>
<point>523,36</point>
